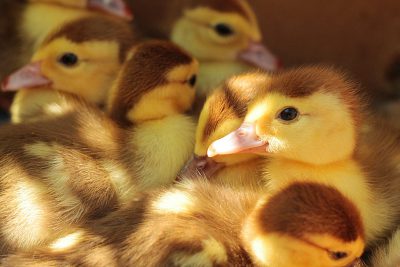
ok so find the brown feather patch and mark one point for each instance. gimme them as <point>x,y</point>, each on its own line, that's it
<point>97,28</point>
<point>305,81</point>
<point>311,208</point>
<point>144,71</point>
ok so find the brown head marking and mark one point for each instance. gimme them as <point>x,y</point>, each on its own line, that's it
<point>145,70</point>
<point>312,208</point>
<point>97,28</point>
<point>305,81</point>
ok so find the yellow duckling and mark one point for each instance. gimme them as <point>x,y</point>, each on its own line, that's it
<point>25,24</point>
<point>222,34</point>
<point>81,164</point>
<point>308,121</point>
<point>112,7</point>
<point>80,58</point>
<point>222,113</point>
<point>198,223</point>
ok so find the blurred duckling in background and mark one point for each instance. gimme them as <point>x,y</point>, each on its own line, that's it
<point>81,164</point>
<point>116,8</point>
<point>83,57</point>
<point>222,34</point>
<point>308,122</point>
<point>197,223</point>
<point>222,113</point>
<point>25,24</point>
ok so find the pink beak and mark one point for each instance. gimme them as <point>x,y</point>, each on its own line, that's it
<point>256,54</point>
<point>113,7</point>
<point>26,77</point>
<point>243,140</point>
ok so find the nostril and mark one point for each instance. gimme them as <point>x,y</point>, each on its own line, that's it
<point>242,133</point>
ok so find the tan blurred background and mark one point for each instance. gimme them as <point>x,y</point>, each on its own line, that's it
<point>362,36</point>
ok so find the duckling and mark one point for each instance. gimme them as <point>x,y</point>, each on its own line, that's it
<point>81,58</point>
<point>197,223</point>
<point>223,112</point>
<point>308,122</point>
<point>223,35</point>
<point>113,7</point>
<point>25,24</point>
<point>81,163</point>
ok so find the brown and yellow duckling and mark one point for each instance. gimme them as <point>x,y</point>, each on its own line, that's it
<point>197,223</point>
<point>223,112</point>
<point>223,35</point>
<point>79,163</point>
<point>83,57</point>
<point>25,24</point>
<point>308,122</point>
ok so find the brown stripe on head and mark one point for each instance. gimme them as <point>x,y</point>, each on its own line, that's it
<point>309,208</point>
<point>97,28</point>
<point>305,81</point>
<point>232,100</point>
<point>143,71</point>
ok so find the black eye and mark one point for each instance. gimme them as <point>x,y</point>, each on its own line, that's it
<point>68,59</point>
<point>288,114</point>
<point>223,29</point>
<point>192,80</point>
<point>338,255</point>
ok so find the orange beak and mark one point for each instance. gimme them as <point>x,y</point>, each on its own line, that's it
<point>28,76</point>
<point>242,140</point>
<point>113,7</point>
<point>258,55</point>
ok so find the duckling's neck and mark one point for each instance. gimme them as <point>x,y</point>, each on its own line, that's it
<point>346,176</point>
<point>163,146</point>
<point>40,19</point>
<point>245,174</point>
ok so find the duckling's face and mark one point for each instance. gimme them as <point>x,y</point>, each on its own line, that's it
<point>211,35</point>
<point>304,225</point>
<point>317,127</point>
<point>85,69</point>
<point>174,95</point>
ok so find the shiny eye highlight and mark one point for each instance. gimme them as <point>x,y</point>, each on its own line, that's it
<point>223,29</point>
<point>288,114</point>
<point>68,59</point>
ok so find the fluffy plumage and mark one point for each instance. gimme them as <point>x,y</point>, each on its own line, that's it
<point>201,224</point>
<point>223,35</point>
<point>223,112</point>
<point>319,143</point>
<point>83,57</point>
<point>79,163</point>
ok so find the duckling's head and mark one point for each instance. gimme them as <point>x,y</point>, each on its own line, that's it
<point>82,57</point>
<point>222,113</point>
<point>309,114</point>
<point>112,7</point>
<point>156,81</point>
<point>222,30</point>
<point>304,225</point>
